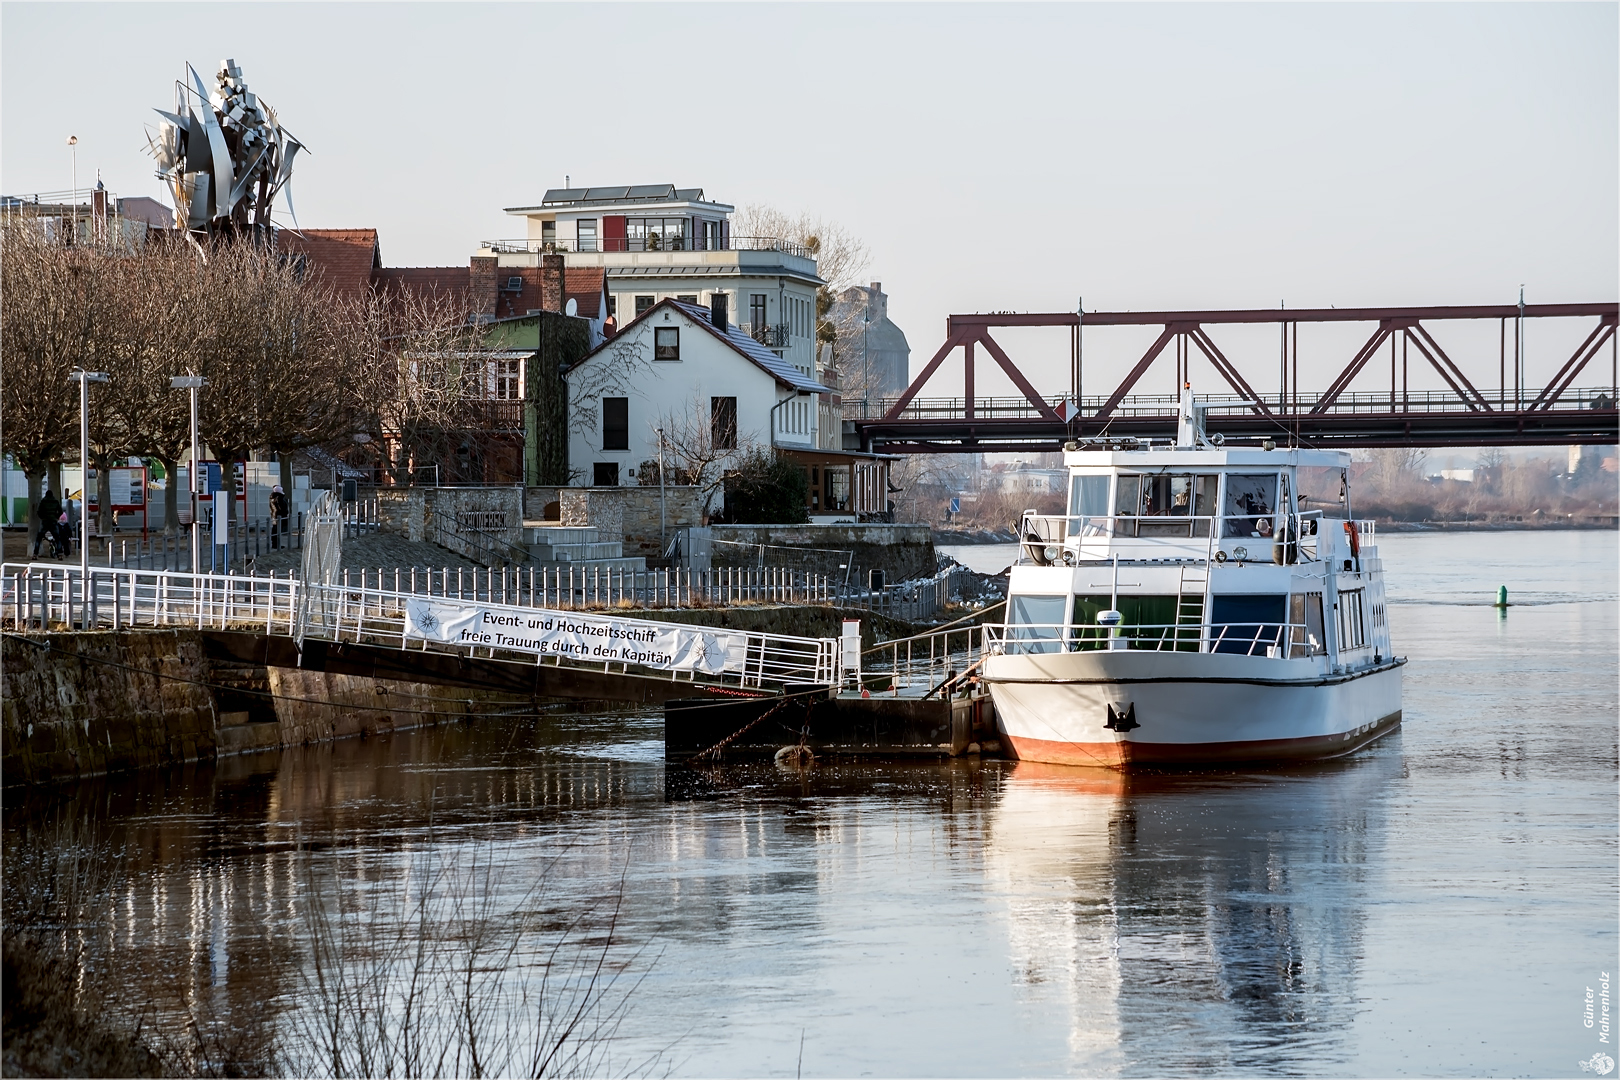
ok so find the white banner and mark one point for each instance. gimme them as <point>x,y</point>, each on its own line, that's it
<point>581,637</point>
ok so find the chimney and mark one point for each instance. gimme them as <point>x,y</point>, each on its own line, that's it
<point>551,282</point>
<point>481,279</point>
<point>718,303</point>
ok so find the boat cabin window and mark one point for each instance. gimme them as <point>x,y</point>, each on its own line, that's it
<point>1150,622</point>
<point>1247,623</point>
<point>1177,497</point>
<point>1038,622</point>
<point>1088,505</point>
<point>1352,620</point>
<point>1251,503</point>
<point>1305,634</point>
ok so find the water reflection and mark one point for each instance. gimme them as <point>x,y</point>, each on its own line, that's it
<point>1192,924</point>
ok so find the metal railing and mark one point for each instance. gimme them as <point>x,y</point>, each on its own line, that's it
<point>771,335</point>
<point>674,243</point>
<point>45,598</point>
<point>924,664</point>
<point>1272,640</point>
<point>1044,538</point>
<point>1371,402</point>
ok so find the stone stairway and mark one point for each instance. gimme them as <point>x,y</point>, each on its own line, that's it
<point>577,546</point>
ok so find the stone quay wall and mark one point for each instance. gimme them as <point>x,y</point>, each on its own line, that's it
<point>80,704</point>
<point>628,514</point>
<point>475,522</point>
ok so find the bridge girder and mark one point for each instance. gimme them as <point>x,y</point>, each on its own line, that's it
<point>1463,416</point>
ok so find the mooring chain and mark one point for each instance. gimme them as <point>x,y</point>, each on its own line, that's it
<point>721,745</point>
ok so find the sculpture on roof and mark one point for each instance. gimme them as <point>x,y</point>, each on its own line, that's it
<point>224,155</point>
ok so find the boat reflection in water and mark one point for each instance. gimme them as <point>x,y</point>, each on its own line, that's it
<point>1191,923</point>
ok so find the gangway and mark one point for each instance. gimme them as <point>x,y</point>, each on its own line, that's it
<point>403,635</point>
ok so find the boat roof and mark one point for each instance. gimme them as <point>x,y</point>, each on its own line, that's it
<point>1162,457</point>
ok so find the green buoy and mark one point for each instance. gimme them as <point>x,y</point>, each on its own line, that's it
<point>1501,596</point>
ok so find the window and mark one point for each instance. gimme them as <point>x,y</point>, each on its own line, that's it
<point>1175,499</point>
<point>667,343</point>
<point>1305,612</point>
<point>1038,623</point>
<point>605,474</point>
<point>723,422</point>
<point>508,380</point>
<point>1250,503</point>
<point>1150,622</point>
<point>642,304</point>
<point>587,234</point>
<point>686,299</point>
<point>1352,621</point>
<point>1246,624</point>
<point>548,232</point>
<point>658,234</point>
<point>756,310</point>
<point>1088,498</point>
<point>615,423</point>
<point>613,307</point>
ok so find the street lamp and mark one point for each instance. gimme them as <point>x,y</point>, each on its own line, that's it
<point>192,383</point>
<point>73,148</point>
<point>84,379</point>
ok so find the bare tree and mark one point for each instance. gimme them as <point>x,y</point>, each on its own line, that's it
<point>841,257</point>
<point>701,447</point>
<point>48,325</point>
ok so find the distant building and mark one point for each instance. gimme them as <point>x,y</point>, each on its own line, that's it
<point>657,242</point>
<point>874,359</point>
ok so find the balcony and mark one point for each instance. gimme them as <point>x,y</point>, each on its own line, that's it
<point>771,336</point>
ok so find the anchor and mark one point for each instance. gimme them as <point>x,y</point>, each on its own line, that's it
<point>1124,721</point>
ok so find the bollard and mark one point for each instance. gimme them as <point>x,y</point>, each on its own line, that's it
<point>1501,596</point>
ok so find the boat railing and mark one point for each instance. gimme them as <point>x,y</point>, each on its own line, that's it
<point>1049,539</point>
<point>1272,640</point>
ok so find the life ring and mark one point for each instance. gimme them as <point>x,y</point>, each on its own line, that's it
<point>1354,534</point>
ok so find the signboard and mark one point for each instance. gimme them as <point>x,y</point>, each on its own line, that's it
<point>581,637</point>
<point>956,505</point>
<point>128,488</point>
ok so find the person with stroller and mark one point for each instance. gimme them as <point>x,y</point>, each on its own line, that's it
<point>47,513</point>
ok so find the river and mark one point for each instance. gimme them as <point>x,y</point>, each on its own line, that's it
<point>1436,905</point>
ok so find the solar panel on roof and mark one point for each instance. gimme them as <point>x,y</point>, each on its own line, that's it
<point>597,194</point>
<point>564,195</point>
<point>651,191</point>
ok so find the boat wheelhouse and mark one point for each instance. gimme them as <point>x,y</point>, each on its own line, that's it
<point>1199,603</point>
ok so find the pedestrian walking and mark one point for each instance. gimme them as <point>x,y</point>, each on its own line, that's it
<point>280,509</point>
<point>46,513</point>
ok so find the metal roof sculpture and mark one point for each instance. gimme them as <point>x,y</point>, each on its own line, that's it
<point>224,155</point>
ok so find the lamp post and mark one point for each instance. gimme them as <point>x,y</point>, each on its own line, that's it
<point>73,148</point>
<point>192,383</point>
<point>84,379</point>
<point>663,528</point>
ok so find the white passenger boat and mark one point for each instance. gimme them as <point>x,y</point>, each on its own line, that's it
<point>1195,606</point>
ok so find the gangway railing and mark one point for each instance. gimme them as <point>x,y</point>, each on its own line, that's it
<point>35,596</point>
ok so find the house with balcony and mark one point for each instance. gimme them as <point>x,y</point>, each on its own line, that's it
<point>657,242</point>
<point>681,385</point>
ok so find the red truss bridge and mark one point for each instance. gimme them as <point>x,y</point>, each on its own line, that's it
<point>1487,401</point>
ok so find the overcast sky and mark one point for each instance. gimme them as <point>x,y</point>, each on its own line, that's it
<point>999,157</point>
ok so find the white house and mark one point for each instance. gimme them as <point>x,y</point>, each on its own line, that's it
<point>714,392</point>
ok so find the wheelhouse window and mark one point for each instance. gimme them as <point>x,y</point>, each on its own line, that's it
<point>1088,505</point>
<point>667,343</point>
<point>587,233</point>
<point>1251,502</point>
<point>1164,504</point>
<point>615,423</point>
<point>723,422</point>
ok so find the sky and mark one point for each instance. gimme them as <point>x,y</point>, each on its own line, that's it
<point>993,157</point>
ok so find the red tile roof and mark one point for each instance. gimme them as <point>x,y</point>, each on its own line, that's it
<point>341,258</point>
<point>585,285</point>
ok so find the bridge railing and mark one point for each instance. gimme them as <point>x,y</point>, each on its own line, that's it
<point>1374,402</point>
<point>34,596</point>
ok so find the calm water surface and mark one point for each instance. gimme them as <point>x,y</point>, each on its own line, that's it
<point>1436,905</point>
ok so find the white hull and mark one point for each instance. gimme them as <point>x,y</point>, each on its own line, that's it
<point>1188,708</point>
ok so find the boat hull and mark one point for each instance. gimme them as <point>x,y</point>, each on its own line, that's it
<point>1188,709</point>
